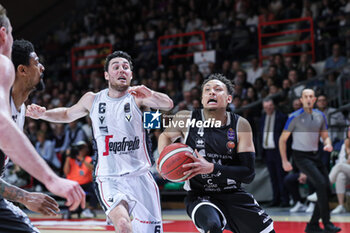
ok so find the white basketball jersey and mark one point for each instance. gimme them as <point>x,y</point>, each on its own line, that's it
<point>18,116</point>
<point>120,136</point>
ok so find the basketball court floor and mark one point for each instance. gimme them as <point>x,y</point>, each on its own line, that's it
<point>176,221</point>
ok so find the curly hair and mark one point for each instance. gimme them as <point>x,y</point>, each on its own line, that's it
<point>118,54</point>
<point>21,50</point>
<point>222,78</point>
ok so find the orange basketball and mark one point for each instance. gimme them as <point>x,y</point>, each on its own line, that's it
<point>171,160</point>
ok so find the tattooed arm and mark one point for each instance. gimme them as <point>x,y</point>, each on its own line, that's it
<point>37,202</point>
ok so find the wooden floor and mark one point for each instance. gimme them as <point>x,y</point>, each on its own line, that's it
<point>176,221</point>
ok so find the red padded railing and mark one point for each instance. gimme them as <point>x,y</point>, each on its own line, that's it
<point>310,41</point>
<point>166,37</point>
<point>101,54</point>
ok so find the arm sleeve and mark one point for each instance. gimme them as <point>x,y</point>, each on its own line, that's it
<point>324,125</point>
<point>290,124</point>
<point>244,173</point>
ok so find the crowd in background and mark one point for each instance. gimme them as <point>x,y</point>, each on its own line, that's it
<point>134,27</point>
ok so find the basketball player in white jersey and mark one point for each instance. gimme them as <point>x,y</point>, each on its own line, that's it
<point>17,146</point>
<point>124,185</point>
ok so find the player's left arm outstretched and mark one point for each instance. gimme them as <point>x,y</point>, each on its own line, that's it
<point>244,172</point>
<point>63,114</point>
<point>153,99</point>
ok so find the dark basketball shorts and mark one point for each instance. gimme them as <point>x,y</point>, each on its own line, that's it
<point>239,211</point>
<point>14,220</point>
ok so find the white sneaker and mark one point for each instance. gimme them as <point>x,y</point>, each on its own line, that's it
<point>87,213</point>
<point>299,207</point>
<point>310,208</point>
<point>312,197</point>
<point>339,210</point>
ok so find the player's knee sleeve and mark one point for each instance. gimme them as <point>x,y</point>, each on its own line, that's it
<point>208,219</point>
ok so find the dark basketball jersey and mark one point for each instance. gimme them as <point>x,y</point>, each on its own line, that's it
<point>216,145</point>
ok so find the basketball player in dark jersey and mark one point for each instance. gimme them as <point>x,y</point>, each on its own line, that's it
<point>225,158</point>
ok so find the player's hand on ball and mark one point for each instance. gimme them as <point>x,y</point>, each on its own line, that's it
<point>157,167</point>
<point>140,91</point>
<point>199,166</point>
<point>35,111</point>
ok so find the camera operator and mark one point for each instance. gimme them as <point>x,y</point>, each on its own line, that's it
<point>78,167</point>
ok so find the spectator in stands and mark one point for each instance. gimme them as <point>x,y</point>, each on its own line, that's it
<point>225,70</point>
<point>332,119</point>
<point>336,60</point>
<point>241,80</point>
<point>78,167</point>
<point>58,136</point>
<point>186,104</point>
<point>291,182</point>
<point>46,149</point>
<point>235,66</point>
<point>340,174</point>
<point>254,71</point>
<point>294,79</point>
<point>265,16</point>
<point>271,73</point>
<point>297,104</point>
<point>289,63</point>
<point>73,134</point>
<point>331,84</point>
<point>275,7</point>
<point>313,83</point>
<point>303,65</point>
<point>188,83</point>
<point>251,94</point>
<point>236,103</point>
<point>271,126</point>
<point>281,69</point>
<point>259,86</point>
<point>239,40</point>
<point>310,72</point>
<point>273,89</point>
<point>31,131</point>
<point>292,11</point>
<point>286,84</point>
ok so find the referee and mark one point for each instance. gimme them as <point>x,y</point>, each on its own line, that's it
<point>307,125</point>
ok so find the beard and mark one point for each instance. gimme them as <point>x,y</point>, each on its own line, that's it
<point>41,85</point>
<point>120,88</point>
